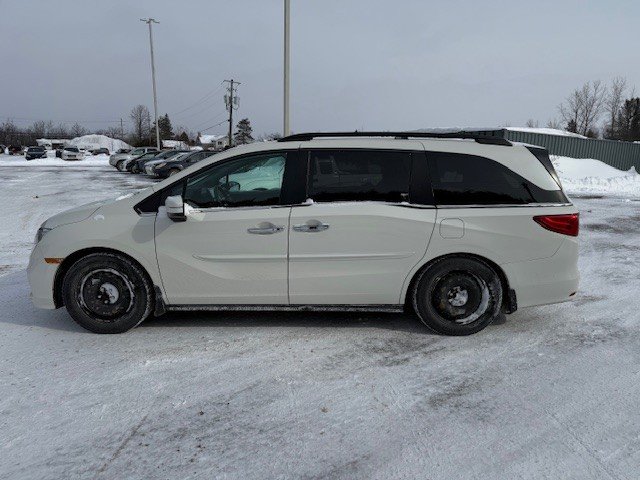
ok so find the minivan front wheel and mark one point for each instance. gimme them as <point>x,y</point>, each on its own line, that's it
<point>457,296</point>
<point>107,293</point>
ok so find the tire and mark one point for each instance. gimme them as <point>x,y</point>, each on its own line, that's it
<point>107,293</point>
<point>119,165</point>
<point>457,296</point>
<point>173,171</point>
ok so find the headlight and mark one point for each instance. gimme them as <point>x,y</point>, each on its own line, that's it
<point>42,231</point>
<point>160,165</point>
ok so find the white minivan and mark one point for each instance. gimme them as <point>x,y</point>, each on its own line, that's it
<point>454,227</point>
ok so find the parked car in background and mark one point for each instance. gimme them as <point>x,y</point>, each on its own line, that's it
<point>71,153</point>
<point>35,152</point>
<point>172,166</point>
<point>138,165</point>
<point>127,164</point>
<point>148,166</point>
<point>457,229</point>
<point>3,148</point>
<point>124,155</point>
<point>100,151</point>
<point>14,150</point>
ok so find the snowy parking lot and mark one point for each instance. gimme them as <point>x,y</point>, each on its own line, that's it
<point>548,392</point>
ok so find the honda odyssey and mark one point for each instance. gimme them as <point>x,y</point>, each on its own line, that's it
<point>456,228</point>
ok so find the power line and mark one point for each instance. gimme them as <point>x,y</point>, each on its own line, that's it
<point>199,102</point>
<point>212,126</point>
<point>210,120</point>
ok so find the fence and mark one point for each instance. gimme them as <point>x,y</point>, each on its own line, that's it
<point>621,155</point>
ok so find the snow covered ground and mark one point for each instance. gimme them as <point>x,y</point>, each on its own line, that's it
<point>549,392</point>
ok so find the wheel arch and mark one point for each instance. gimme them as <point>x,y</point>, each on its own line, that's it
<point>509,302</point>
<point>77,255</point>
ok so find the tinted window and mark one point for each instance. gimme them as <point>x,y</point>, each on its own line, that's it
<point>72,149</point>
<point>249,181</point>
<point>359,175</point>
<point>471,180</point>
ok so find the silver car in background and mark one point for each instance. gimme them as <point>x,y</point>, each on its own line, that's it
<point>136,152</point>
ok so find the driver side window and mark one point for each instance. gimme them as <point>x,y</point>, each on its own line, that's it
<point>246,182</point>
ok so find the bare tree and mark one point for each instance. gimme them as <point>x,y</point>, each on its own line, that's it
<point>78,130</point>
<point>531,123</point>
<point>613,103</point>
<point>554,123</point>
<point>59,131</point>
<point>141,123</point>
<point>583,107</point>
<point>113,132</point>
<point>39,129</point>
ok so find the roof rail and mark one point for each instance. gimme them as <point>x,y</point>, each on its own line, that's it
<point>477,136</point>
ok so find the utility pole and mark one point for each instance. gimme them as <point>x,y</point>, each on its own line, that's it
<point>149,21</point>
<point>231,102</point>
<point>287,10</point>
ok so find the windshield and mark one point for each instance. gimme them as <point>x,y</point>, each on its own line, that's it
<point>71,149</point>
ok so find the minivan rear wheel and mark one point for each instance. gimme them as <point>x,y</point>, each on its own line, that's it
<point>107,293</point>
<point>457,296</point>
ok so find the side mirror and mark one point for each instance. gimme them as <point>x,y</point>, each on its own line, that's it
<point>175,208</point>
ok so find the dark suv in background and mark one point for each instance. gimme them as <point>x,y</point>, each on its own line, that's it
<point>137,166</point>
<point>171,167</point>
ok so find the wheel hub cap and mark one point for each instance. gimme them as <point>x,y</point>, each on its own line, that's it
<point>106,294</point>
<point>458,296</point>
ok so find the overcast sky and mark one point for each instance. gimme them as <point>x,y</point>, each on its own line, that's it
<point>356,64</point>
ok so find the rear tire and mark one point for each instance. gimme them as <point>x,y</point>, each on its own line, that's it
<point>457,296</point>
<point>107,293</point>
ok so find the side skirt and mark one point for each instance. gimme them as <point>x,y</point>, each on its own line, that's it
<point>286,308</point>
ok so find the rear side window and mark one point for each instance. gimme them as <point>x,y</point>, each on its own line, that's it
<point>460,179</point>
<point>359,175</point>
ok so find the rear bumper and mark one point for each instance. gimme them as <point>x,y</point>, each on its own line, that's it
<point>546,281</point>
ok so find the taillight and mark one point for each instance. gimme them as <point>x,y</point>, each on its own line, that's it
<point>565,224</point>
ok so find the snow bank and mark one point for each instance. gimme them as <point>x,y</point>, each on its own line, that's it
<point>91,142</point>
<point>175,144</point>
<point>545,131</point>
<point>590,176</point>
<point>51,161</point>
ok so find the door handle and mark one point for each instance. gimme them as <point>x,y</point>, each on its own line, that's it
<point>265,228</point>
<point>312,226</point>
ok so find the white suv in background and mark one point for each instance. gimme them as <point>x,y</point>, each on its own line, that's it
<point>454,227</point>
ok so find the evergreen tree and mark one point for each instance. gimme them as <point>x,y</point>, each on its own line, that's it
<point>164,124</point>
<point>572,126</point>
<point>243,132</point>
<point>184,137</point>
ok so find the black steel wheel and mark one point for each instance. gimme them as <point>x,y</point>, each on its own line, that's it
<point>457,296</point>
<point>107,293</point>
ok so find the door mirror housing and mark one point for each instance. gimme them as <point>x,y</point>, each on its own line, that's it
<point>175,208</point>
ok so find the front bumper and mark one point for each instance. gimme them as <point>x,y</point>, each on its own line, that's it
<point>41,277</point>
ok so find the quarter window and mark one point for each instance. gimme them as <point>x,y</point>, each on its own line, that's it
<point>472,180</point>
<point>248,181</point>
<point>359,175</point>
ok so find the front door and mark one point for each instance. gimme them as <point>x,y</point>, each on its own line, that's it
<point>361,235</point>
<point>232,249</point>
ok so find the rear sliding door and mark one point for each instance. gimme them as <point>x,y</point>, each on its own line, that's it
<point>367,223</point>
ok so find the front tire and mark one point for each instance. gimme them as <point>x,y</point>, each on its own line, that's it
<point>457,296</point>
<point>107,293</point>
